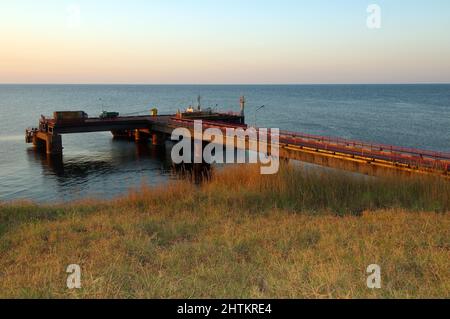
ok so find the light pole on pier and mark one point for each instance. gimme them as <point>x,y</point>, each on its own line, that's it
<point>256,112</point>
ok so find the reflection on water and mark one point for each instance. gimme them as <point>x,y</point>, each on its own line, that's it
<point>80,168</point>
<point>8,138</point>
<point>96,173</point>
<point>105,172</point>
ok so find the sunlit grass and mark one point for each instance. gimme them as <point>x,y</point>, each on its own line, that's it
<point>296,234</point>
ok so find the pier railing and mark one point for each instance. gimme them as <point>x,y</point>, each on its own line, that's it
<point>395,155</point>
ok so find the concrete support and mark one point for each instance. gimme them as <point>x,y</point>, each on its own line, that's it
<point>52,142</point>
<point>35,141</point>
<point>155,139</point>
<point>158,139</point>
<point>137,136</point>
<point>143,136</point>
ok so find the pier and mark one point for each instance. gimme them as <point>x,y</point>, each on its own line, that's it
<point>350,155</point>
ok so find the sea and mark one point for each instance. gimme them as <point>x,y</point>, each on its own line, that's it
<point>96,166</point>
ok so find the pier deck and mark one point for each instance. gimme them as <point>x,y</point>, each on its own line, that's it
<point>357,156</point>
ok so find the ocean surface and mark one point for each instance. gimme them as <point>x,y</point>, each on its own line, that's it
<point>94,165</point>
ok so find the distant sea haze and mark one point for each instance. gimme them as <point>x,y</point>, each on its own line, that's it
<point>95,165</point>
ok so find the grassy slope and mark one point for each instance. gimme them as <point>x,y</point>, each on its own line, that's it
<point>242,235</point>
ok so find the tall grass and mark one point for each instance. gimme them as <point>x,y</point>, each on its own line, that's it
<point>301,233</point>
<point>301,190</point>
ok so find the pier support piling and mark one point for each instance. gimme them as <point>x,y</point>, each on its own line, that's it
<point>54,144</point>
<point>51,142</point>
<point>158,139</point>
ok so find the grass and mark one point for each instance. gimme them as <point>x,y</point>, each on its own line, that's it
<point>298,234</point>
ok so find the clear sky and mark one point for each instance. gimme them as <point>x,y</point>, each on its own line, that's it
<point>223,41</point>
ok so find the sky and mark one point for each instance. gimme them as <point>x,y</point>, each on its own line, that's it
<point>224,41</point>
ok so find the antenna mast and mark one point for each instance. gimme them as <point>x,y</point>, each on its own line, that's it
<point>199,105</point>
<point>242,105</point>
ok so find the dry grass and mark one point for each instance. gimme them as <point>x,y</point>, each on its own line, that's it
<point>293,235</point>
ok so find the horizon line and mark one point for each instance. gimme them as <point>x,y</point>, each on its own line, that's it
<point>226,84</point>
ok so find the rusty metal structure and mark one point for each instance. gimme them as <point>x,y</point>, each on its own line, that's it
<point>352,155</point>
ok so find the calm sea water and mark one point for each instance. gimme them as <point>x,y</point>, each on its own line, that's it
<point>96,166</point>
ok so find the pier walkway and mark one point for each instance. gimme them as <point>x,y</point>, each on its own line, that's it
<point>357,156</point>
